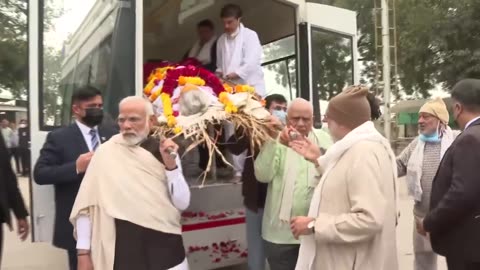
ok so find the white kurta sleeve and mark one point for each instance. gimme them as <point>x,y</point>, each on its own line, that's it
<point>178,187</point>
<point>252,56</point>
<point>84,232</point>
<point>220,44</point>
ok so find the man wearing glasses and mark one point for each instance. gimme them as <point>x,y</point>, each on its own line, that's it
<point>291,180</point>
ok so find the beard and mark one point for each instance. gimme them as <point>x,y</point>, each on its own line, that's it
<point>134,138</point>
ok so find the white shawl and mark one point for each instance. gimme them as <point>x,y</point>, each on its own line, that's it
<point>365,132</point>
<point>202,53</point>
<point>415,163</point>
<point>123,182</point>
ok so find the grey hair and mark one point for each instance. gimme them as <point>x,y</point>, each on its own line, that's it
<point>300,102</point>
<point>148,106</point>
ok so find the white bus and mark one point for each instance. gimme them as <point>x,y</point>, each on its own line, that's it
<point>105,43</point>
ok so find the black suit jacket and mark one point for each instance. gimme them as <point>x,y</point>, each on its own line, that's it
<point>10,196</point>
<point>454,218</point>
<point>57,166</point>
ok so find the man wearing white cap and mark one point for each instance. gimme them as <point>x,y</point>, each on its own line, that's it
<point>419,163</point>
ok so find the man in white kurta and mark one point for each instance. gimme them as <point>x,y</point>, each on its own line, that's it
<point>239,55</point>
<point>127,211</point>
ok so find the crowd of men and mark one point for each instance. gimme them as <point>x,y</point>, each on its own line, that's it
<point>17,141</point>
<point>315,200</point>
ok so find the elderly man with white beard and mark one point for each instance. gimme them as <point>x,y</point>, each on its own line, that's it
<point>127,211</point>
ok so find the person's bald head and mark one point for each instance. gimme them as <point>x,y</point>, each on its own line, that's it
<point>135,119</point>
<point>300,115</point>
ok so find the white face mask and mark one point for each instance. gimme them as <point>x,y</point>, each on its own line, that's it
<point>22,125</point>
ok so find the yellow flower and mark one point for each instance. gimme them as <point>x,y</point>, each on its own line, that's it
<point>183,80</point>
<point>249,89</point>
<point>177,130</point>
<point>155,95</point>
<point>223,97</point>
<point>244,88</point>
<point>171,121</point>
<point>164,96</point>
<point>149,87</point>
<point>239,88</point>
<point>228,88</point>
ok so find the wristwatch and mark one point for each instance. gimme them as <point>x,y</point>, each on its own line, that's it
<point>311,226</point>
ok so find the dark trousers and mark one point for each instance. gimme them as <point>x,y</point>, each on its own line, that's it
<point>25,159</point>
<point>139,248</point>
<point>72,259</point>
<point>204,156</point>
<point>281,256</point>
<point>456,264</point>
<point>16,156</point>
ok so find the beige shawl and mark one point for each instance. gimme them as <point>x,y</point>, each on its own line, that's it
<point>365,132</point>
<point>123,182</point>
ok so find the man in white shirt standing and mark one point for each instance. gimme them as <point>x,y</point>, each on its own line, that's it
<point>239,52</point>
<point>239,56</point>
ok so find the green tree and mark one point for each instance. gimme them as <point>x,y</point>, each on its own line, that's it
<point>437,41</point>
<point>13,47</point>
<point>14,54</point>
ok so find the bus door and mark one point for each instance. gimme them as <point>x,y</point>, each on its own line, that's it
<point>327,53</point>
<point>89,42</point>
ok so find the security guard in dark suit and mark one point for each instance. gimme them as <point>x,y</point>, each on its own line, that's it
<point>64,159</point>
<point>10,198</point>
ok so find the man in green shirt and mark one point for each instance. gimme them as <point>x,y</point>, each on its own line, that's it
<point>291,180</point>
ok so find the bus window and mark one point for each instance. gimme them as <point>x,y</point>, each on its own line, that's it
<point>101,65</point>
<point>58,21</point>
<point>279,67</point>
<point>82,72</point>
<point>332,65</point>
<point>67,86</point>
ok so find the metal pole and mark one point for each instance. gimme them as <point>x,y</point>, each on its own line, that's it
<point>386,66</point>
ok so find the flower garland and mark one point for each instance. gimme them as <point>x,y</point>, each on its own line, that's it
<point>188,72</point>
<point>155,77</point>
<point>229,107</point>
<point>182,80</point>
<point>224,99</point>
<point>171,80</point>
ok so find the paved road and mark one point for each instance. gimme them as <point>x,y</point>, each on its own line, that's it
<point>42,256</point>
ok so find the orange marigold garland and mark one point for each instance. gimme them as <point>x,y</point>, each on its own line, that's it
<point>168,77</point>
